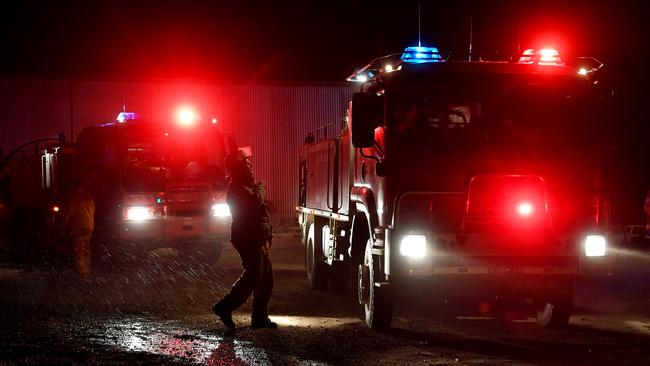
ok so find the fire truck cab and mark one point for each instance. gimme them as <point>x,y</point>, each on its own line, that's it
<point>157,184</point>
<point>458,180</point>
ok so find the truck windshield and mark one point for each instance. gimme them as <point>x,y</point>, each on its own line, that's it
<point>469,112</point>
<point>150,160</point>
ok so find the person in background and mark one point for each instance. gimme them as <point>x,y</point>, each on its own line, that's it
<point>78,222</point>
<point>251,236</point>
<point>646,208</point>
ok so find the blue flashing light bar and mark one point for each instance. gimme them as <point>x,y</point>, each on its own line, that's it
<point>126,116</point>
<point>421,55</point>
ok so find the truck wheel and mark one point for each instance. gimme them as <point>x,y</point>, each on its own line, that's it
<point>377,302</point>
<point>316,268</point>
<point>555,312</point>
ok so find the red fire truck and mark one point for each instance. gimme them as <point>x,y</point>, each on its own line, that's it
<point>459,180</point>
<point>155,184</point>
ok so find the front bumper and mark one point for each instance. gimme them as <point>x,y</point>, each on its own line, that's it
<point>463,275</point>
<point>176,228</point>
<point>488,265</point>
<point>481,286</point>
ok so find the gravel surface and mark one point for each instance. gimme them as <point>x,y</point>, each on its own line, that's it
<point>156,310</point>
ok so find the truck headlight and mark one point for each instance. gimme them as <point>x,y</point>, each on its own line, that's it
<point>595,246</point>
<point>414,246</point>
<point>220,210</point>
<point>138,213</point>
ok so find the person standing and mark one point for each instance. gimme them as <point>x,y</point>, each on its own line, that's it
<point>78,222</point>
<point>251,236</point>
<point>646,208</point>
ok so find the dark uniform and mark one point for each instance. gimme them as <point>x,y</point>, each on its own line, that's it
<point>251,236</point>
<point>78,222</point>
<point>646,208</point>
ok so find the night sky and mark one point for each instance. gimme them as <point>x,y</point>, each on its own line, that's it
<point>294,41</point>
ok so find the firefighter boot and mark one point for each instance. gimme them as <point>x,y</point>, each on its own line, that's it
<point>263,322</point>
<point>225,314</point>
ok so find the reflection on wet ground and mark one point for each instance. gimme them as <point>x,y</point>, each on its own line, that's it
<point>163,338</point>
<point>170,340</point>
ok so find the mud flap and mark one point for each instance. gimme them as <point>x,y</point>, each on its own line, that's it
<point>556,311</point>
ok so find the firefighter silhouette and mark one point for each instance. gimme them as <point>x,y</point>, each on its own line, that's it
<point>646,208</point>
<point>251,236</point>
<point>78,222</point>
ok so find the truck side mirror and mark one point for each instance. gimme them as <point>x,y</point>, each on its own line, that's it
<point>366,109</point>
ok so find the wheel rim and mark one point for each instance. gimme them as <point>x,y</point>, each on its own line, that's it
<point>364,281</point>
<point>367,262</point>
<point>310,257</point>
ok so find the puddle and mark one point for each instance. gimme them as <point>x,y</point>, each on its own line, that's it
<point>160,338</point>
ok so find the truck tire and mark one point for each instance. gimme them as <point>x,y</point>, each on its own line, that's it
<point>377,302</point>
<point>556,311</point>
<point>317,271</point>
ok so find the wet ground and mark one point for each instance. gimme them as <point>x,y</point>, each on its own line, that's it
<point>156,310</point>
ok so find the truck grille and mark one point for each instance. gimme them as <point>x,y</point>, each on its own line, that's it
<point>191,188</point>
<point>187,192</point>
<point>186,212</point>
<point>441,210</point>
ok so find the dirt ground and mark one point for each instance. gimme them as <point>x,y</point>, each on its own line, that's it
<point>156,310</point>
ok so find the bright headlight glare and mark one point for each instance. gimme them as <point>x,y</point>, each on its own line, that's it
<point>138,213</point>
<point>220,210</point>
<point>595,246</point>
<point>414,246</point>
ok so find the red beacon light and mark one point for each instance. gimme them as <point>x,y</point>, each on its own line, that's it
<point>544,56</point>
<point>525,209</point>
<point>186,116</point>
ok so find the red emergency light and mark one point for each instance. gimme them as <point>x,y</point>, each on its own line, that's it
<point>517,202</point>
<point>544,56</point>
<point>525,209</point>
<point>186,116</point>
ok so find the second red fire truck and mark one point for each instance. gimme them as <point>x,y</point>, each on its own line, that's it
<point>155,183</point>
<point>459,180</point>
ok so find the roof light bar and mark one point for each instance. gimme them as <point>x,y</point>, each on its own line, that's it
<point>421,55</point>
<point>126,116</point>
<point>394,62</point>
<point>584,66</point>
<point>545,56</point>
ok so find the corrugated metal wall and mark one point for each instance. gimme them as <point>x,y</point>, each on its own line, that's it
<point>31,109</point>
<point>273,119</point>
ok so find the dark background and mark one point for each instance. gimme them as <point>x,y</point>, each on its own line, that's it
<point>324,41</point>
<point>296,41</point>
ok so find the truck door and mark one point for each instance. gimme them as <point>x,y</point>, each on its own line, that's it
<point>346,154</point>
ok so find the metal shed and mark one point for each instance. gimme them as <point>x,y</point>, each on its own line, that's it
<point>272,118</point>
